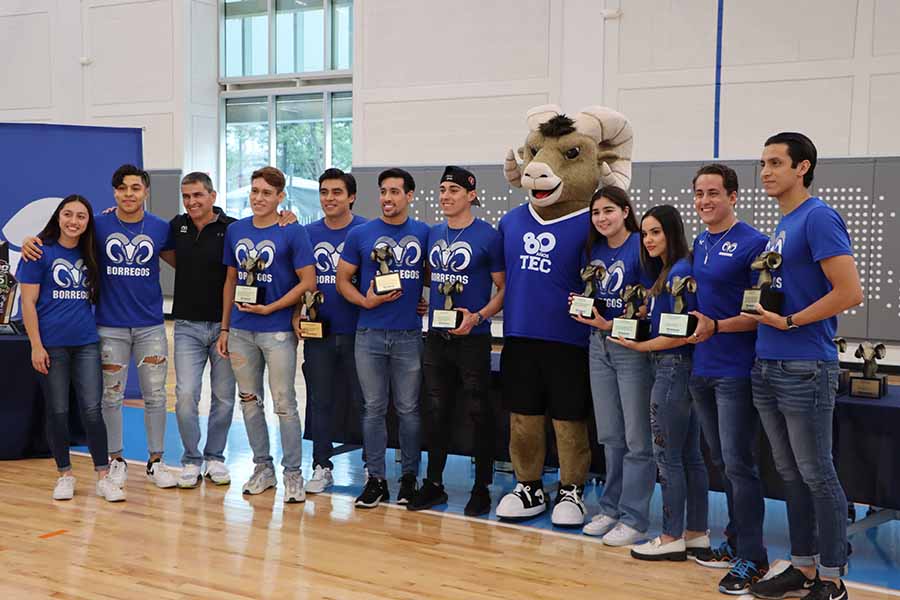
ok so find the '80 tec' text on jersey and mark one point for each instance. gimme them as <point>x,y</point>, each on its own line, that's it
<point>543,260</point>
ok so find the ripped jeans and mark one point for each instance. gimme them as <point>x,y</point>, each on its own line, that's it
<point>150,351</point>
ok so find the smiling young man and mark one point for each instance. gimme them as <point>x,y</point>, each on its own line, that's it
<point>720,379</point>
<point>329,363</point>
<point>389,331</point>
<point>262,334</point>
<point>796,371</point>
<point>469,251</point>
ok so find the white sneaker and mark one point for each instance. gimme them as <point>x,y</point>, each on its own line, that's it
<point>159,473</point>
<point>599,525</point>
<point>108,489</point>
<point>217,472</point>
<point>262,479</point>
<point>190,476</point>
<point>65,488</point>
<point>320,481</point>
<point>118,471</point>
<point>656,550</point>
<point>623,535</point>
<point>293,487</point>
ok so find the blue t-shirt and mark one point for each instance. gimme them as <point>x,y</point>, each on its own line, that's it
<point>542,268</point>
<point>407,243</point>
<point>623,268</point>
<point>130,294</point>
<point>64,310</point>
<point>722,270</point>
<point>811,233</point>
<point>327,247</point>
<point>665,303</point>
<point>285,249</point>
<point>467,255</point>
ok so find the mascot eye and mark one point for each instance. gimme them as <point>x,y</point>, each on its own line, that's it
<point>533,150</point>
<point>572,153</point>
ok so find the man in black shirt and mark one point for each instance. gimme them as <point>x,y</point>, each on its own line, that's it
<point>199,236</point>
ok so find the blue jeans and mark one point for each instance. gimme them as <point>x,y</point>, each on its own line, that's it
<point>195,343</point>
<point>150,350</point>
<point>731,427</point>
<point>389,364</point>
<point>328,364</point>
<point>795,400</point>
<point>620,386</point>
<point>251,352</point>
<point>79,365</point>
<point>676,445</point>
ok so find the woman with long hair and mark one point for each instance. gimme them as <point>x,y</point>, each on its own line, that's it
<point>57,293</point>
<point>620,377</point>
<point>673,421</point>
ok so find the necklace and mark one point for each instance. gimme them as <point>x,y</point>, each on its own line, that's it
<point>718,241</point>
<point>130,232</point>
<point>618,250</point>
<point>461,231</point>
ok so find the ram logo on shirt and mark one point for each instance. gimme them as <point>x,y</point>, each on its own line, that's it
<point>537,251</point>
<point>728,249</point>
<point>447,262</point>
<point>245,248</point>
<point>611,283</point>
<point>327,258</point>
<point>71,278</point>
<point>405,253</point>
<point>128,255</point>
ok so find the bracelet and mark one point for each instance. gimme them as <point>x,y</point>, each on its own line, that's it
<point>715,326</point>
<point>225,329</point>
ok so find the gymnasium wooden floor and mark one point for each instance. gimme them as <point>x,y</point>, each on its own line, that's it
<point>213,543</point>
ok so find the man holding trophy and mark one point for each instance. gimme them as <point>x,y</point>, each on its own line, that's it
<point>723,259</point>
<point>796,372</point>
<point>388,256</point>
<point>466,258</point>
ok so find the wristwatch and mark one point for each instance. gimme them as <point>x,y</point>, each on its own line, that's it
<point>790,322</point>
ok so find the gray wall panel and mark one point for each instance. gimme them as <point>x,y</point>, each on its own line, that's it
<point>884,273</point>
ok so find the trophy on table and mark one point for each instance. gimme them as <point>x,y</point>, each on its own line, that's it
<point>871,384</point>
<point>762,293</point>
<point>844,377</point>
<point>583,305</point>
<point>8,286</point>
<point>678,323</point>
<point>248,292</point>
<point>448,317</point>
<point>630,326</point>
<point>313,327</point>
<point>386,281</point>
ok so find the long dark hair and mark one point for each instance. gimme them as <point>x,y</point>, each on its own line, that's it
<point>676,245</point>
<point>51,232</point>
<point>619,197</point>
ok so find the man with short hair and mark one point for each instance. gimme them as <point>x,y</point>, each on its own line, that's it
<point>796,371</point>
<point>199,237</point>
<point>329,363</point>
<point>720,380</point>
<point>469,251</point>
<point>278,263</point>
<point>389,331</point>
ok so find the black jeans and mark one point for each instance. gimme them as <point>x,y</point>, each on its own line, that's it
<point>452,363</point>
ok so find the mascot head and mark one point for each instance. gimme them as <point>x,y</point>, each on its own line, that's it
<point>565,159</point>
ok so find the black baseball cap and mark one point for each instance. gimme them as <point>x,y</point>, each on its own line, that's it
<point>461,177</point>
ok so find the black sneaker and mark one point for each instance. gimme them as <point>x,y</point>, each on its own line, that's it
<point>407,488</point>
<point>430,494</point>
<point>826,590</point>
<point>376,491</point>
<point>716,558</point>
<point>479,502</point>
<point>742,575</point>
<point>787,584</point>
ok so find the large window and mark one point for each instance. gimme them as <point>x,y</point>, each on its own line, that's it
<point>269,49</point>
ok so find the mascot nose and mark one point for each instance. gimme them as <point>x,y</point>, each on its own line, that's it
<point>538,170</point>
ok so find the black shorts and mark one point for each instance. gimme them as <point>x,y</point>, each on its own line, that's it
<point>541,377</point>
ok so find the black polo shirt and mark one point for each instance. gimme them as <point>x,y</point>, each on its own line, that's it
<point>199,272</point>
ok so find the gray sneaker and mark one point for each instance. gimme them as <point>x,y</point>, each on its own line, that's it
<point>293,487</point>
<point>262,479</point>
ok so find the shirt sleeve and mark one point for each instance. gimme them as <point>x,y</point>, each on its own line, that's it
<point>228,250</point>
<point>495,252</point>
<point>827,234</point>
<point>31,271</point>
<point>303,252</point>
<point>350,254</point>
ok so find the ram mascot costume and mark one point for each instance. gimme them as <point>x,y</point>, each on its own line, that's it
<point>544,364</point>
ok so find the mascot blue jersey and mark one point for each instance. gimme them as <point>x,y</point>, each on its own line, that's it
<point>543,261</point>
